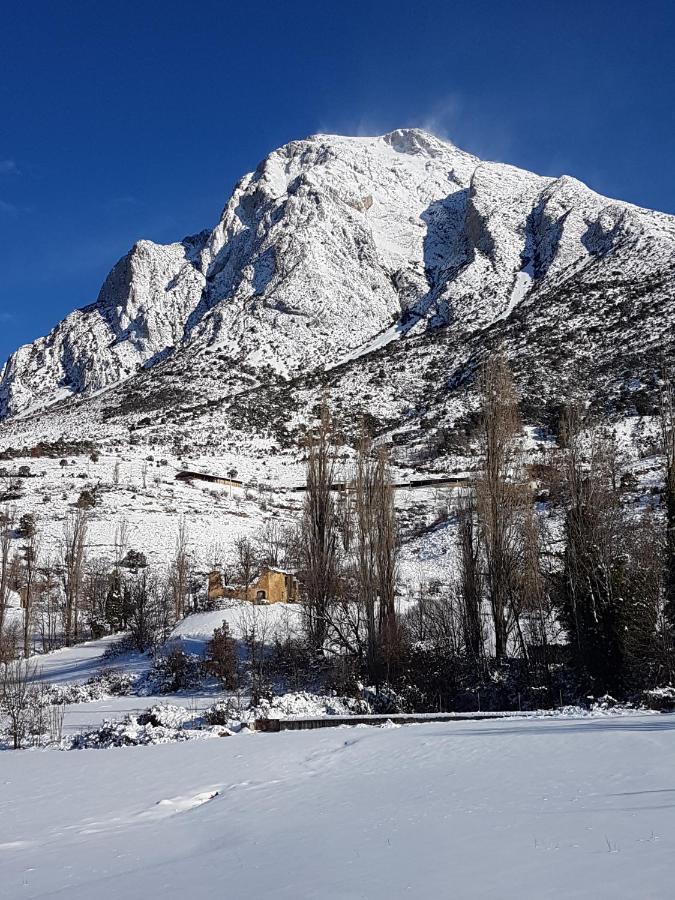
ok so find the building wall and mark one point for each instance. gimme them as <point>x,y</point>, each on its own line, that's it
<point>279,587</point>
<point>272,586</point>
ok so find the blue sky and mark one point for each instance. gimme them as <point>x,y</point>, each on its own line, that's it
<point>135,119</point>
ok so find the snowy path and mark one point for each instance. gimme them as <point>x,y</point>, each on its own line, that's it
<point>527,809</point>
<point>77,664</point>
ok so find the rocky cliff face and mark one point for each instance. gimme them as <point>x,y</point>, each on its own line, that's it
<point>339,249</point>
<point>137,319</point>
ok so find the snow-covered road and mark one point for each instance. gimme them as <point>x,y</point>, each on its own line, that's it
<point>527,809</point>
<point>77,664</point>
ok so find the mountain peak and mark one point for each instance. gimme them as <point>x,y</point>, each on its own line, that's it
<point>322,250</point>
<point>416,140</point>
<point>402,140</point>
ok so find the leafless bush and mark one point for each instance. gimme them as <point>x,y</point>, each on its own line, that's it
<point>55,717</point>
<point>16,698</point>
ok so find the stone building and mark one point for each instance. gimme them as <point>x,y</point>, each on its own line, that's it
<point>271,586</point>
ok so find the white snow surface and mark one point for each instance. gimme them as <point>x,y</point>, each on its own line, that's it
<point>77,664</point>
<point>513,808</point>
<point>270,621</point>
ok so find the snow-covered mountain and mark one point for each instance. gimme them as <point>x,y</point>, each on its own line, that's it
<point>373,267</point>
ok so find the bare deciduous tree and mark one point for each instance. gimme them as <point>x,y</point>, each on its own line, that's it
<point>271,541</point>
<point>121,541</point>
<point>247,561</point>
<point>470,581</point>
<point>533,600</point>
<point>602,599</point>
<point>256,629</point>
<point>151,609</point>
<point>73,555</point>
<point>668,440</point>
<point>49,607</point>
<point>7,524</point>
<point>375,550</point>
<point>96,591</point>
<point>387,554</point>
<point>179,572</point>
<point>498,495</point>
<point>29,587</point>
<point>320,531</point>
<point>364,490</point>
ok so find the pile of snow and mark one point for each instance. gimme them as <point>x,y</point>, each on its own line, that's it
<point>160,724</point>
<point>166,722</point>
<point>128,733</point>
<point>165,715</point>
<point>303,704</point>
<point>110,683</point>
<point>662,698</point>
<point>232,712</point>
<point>595,711</point>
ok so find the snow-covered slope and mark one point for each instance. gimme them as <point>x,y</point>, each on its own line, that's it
<point>338,247</point>
<point>139,315</point>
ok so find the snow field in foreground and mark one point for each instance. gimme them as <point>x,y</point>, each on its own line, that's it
<point>504,809</point>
